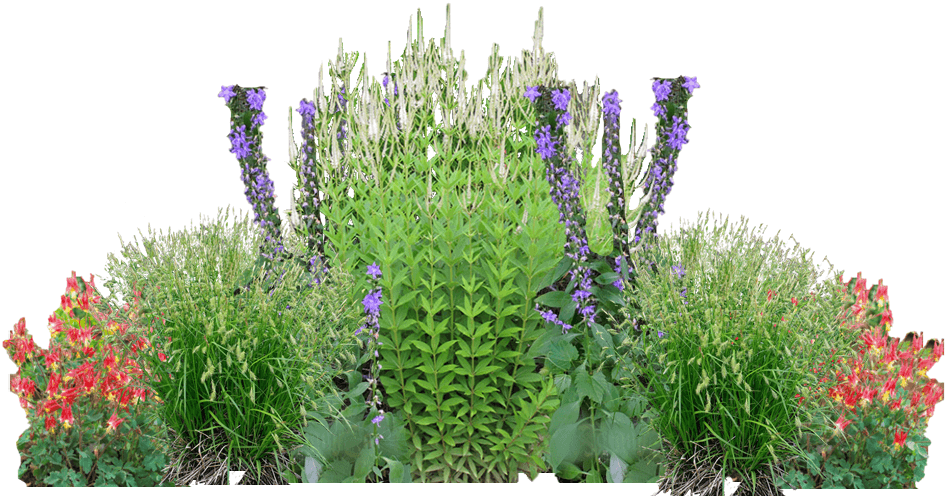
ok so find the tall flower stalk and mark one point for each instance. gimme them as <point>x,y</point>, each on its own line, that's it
<point>247,116</point>
<point>371,303</point>
<point>552,118</point>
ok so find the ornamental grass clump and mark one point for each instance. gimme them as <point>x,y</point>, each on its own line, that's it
<point>240,370</point>
<point>724,372</point>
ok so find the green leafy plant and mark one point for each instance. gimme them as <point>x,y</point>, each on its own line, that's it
<point>88,374</point>
<point>240,369</point>
<point>883,397</point>
<point>453,352</point>
<point>591,418</point>
<point>345,446</point>
<point>723,374</point>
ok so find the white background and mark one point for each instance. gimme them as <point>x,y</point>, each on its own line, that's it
<point>818,119</point>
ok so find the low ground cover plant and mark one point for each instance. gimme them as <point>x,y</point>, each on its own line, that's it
<point>883,398</point>
<point>92,418</point>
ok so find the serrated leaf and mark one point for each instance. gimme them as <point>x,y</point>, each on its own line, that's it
<point>562,354</point>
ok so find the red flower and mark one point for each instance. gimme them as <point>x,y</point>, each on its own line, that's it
<point>842,423</point>
<point>905,372</point>
<point>882,293</point>
<point>917,343</point>
<point>899,439</point>
<point>51,406</point>
<point>114,422</point>
<point>53,387</point>
<point>934,396</point>
<point>50,423</point>
<point>52,359</point>
<point>939,349</point>
<point>55,324</point>
<point>20,327</point>
<point>66,416</point>
<point>69,395</point>
<point>874,340</point>
<point>916,396</point>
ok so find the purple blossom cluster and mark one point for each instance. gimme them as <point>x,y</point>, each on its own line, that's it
<point>371,304</point>
<point>564,189</point>
<point>552,117</point>
<point>246,106</point>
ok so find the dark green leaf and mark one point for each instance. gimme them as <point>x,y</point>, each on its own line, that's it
<point>554,299</point>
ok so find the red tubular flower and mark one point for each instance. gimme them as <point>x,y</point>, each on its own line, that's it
<point>866,397</point>
<point>874,340</point>
<point>882,292</point>
<point>114,422</point>
<point>52,359</point>
<point>55,324</point>
<point>934,396</point>
<point>899,439</point>
<point>69,395</point>
<point>66,416</point>
<point>51,406</point>
<point>895,405</point>
<point>918,342</point>
<point>916,396</point>
<point>905,372</point>
<point>842,423</point>
<point>939,349</point>
<point>851,400</point>
<point>53,387</point>
<point>50,424</point>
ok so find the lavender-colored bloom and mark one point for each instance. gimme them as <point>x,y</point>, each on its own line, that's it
<point>378,419</point>
<point>690,84</point>
<point>259,187</point>
<point>374,271</point>
<point>227,92</point>
<point>372,302</point>
<point>531,93</point>
<point>661,89</point>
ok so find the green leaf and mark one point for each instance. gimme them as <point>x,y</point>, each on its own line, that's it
<point>562,382</point>
<point>364,463</point>
<point>565,445</point>
<point>566,414</point>
<point>562,355</point>
<point>555,299</point>
<point>592,387</point>
<point>568,471</point>
<point>422,346</point>
<point>85,461</point>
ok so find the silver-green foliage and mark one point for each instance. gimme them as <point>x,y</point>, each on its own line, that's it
<point>247,364</point>
<point>726,368</point>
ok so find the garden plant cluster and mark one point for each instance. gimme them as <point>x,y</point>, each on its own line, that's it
<point>471,315</point>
